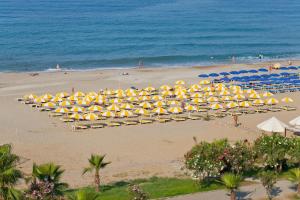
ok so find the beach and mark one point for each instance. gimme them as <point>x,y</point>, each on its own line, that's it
<point>135,151</point>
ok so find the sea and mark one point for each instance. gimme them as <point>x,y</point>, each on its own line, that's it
<point>36,35</point>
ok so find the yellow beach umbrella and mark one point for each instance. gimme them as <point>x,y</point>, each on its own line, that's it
<point>30,96</point>
<point>77,109</point>
<point>271,101</point>
<point>127,106</point>
<point>120,95</point>
<point>76,116</point>
<point>268,94</point>
<point>157,98</point>
<point>108,114</point>
<point>181,97</point>
<point>145,105</point>
<point>167,93</point>
<point>165,87</point>
<point>159,111</point>
<point>47,96</point>
<point>175,110</point>
<point>62,94</point>
<point>204,82</point>
<point>287,100</point>
<point>108,92</point>
<point>116,100</point>
<point>216,106</point>
<point>226,98</point>
<point>239,97</point>
<point>150,89</point>
<point>113,107</point>
<point>224,93</point>
<point>61,110</point>
<point>195,87</point>
<point>119,91</point>
<point>210,94</point>
<point>141,111</point>
<point>250,91</point>
<point>100,101</point>
<point>90,116</point>
<point>144,98</point>
<point>212,99</point>
<point>125,113</point>
<point>130,90</point>
<point>254,96</point>
<point>79,94</point>
<point>132,99</point>
<point>232,105</point>
<point>238,92</point>
<point>144,93</point>
<point>207,89</point>
<point>180,92</point>
<point>245,104</point>
<point>235,87</point>
<point>198,100</point>
<point>92,94</point>
<point>71,98</point>
<point>39,100</point>
<point>49,105</point>
<point>190,108</point>
<point>95,108</point>
<point>173,103</point>
<point>197,95</point>
<point>131,94</point>
<point>258,102</point>
<point>180,82</point>
<point>57,99</point>
<point>159,104</point>
<point>65,103</point>
<point>83,103</point>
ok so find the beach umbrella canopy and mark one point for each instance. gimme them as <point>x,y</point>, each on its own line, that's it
<point>116,100</point>
<point>113,107</point>
<point>216,106</point>
<point>165,87</point>
<point>254,96</point>
<point>92,94</point>
<point>61,110</point>
<point>90,116</point>
<point>79,94</point>
<point>232,105</point>
<point>210,94</point>
<point>207,89</point>
<point>239,97</point>
<point>204,82</point>
<point>83,103</point>
<point>120,95</point>
<point>47,96</point>
<point>235,87</point>
<point>127,106</point>
<point>95,108</point>
<point>150,89</point>
<point>49,105</point>
<point>71,98</point>
<point>287,100</point>
<point>125,113</point>
<point>271,101</point>
<point>39,100</point>
<point>157,98</point>
<point>108,114</point>
<point>258,102</point>
<point>295,122</point>
<point>226,98</point>
<point>212,99</point>
<point>77,109</point>
<point>250,91</point>
<point>76,116</point>
<point>132,99</point>
<point>197,95</point>
<point>159,111</point>
<point>267,94</point>
<point>173,103</point>
<point>57,99</point>
<point>141,111</point>
<point>30,96</point>
<point>180,92</point>
<point>145,105</point>
<point>175,110</point>
<point>224,93</point>
<point>198,100</point>
<point>62,94</point>
<point>144,93</point>
<point>182,96</point>
<point>65,103</point>
<point>159,104</point>
<point>272,125</point>
<point>144,98</point>
<point>167,93</point>
<point>190,108</point>
<point>245,104</point>
<point>180,82</point>
<point>195,87</point>
<point>108,92</point>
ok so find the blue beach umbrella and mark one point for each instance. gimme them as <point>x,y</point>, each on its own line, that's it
<point>243,71</point>
<point>224,73</point>
<point>234,72</point>
<point>213,74</point>
<point>263,70</point>
<point>252,71</point>
<point>283,68</point>
<point>292,68</point>
<point>203,76</point>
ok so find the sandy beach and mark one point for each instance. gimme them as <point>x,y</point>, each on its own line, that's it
<point>135,151</point>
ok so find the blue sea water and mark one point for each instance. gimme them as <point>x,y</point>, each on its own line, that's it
<point>87,34</point>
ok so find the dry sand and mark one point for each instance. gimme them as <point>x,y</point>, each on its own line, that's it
<point>135,151</point>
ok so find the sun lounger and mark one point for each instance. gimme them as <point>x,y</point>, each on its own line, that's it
<point>202,110</point>
<point>163,120</point>
<point>55,114</point>
<point>79,127</point>
<point>113,124</point>
<point>178,119</point>
<point>261,110</point>
<point>97,125</point>
<point>130,122</point>
<point>66,119</point>
<point>289,108</point>
<point>219,115</point>
<point>194,117</point>
<point>275,109</point>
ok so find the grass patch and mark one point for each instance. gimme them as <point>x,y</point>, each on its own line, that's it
<point>156,188</point>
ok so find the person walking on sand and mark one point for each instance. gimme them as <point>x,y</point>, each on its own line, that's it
<point>235,120</point>
<point>73,90</point>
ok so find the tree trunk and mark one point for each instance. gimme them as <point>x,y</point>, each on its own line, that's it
<point>298,189</point>
<point>97,181</point>
<point>232,195</point>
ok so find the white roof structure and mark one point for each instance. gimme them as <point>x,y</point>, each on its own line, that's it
<point>273,125</point>
<point>295,122</point>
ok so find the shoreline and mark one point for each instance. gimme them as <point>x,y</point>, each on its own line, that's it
<point>284,62</point>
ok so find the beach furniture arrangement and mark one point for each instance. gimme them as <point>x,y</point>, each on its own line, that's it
<point>177,103</point>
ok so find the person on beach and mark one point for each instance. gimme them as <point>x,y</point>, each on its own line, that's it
<point>290,63</point>
<point>73,90</point>
<point>235,120</point>
<point>141,64</point>
<point>233,60</point>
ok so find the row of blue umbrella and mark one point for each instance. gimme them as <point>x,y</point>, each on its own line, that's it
<point>253,71</point>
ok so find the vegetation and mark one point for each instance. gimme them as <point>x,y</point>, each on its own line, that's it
<point>96,163</point>
<point>84,195</point>
<point>268,180</point>
<point>232,183</point>
<point>9,174</point>
<point>294,176</point>
<point>137,193</point>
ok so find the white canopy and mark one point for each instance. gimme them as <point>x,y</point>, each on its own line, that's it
<point>295,122</point>
<point>272,125</point>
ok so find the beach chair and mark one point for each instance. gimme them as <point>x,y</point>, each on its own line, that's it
<point>113,124</point>
<point>53,114</point>
<point>130,122</point>
<point>97,125</point>
<point>288,108</point>
<point>66,119</point>
<point>179,119</point>
<point>194,117</point>
<point>163,120</point>
<point>146,121</point>
<point>79,127</point>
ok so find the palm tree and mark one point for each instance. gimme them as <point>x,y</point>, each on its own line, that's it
<point>9,174</point>
<point>294,176</point>
<point>96,163</point>
<point>232,183</point>
<point>49,173</point>
<point>84,195</point>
